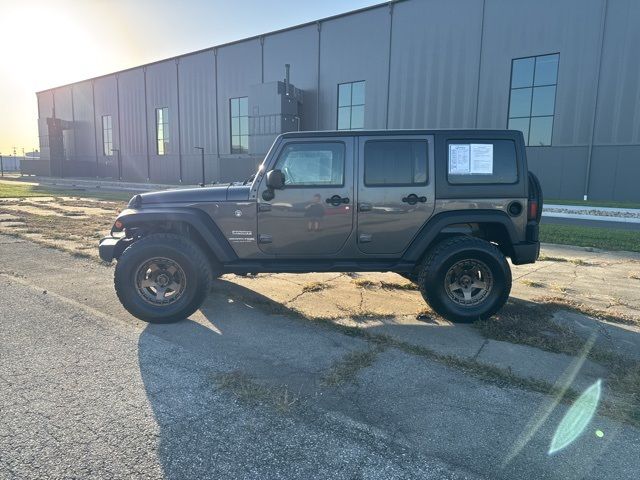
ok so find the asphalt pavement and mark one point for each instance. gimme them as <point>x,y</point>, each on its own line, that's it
<point>87,391</point>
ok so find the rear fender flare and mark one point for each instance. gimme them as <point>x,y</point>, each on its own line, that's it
<point>429,232</point>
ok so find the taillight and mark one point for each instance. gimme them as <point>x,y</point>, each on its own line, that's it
<point>533,210</point>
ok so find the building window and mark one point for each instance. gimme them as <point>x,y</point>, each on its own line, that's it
<point>162,130</point>
<point>533,97</point>
<point>239,108</point>
<point>107,136</point>
<point>351,106</point>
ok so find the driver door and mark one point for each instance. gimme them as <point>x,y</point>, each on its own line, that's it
<point>313,213</point>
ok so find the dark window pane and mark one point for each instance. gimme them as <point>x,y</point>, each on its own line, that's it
<point>344,94</point>
<point>520,104</point>
<point>357,117</point>
<point>521,124</point>
<point>391,162</point>
<point>235,108</point>
<point>244,143</point>
<point>344,118</point>
<point>540,131</point>
<point>357,93</point>
<point>244,106</point>
<point>235,144</point>
<point>160,147</point>
<point>165,115</point>
<point>235,126</point>
<point>244,125</point>
<point>312,164</point>
<point>546,70</point>
<point>522,72</point>
<point>543,101</point>
<point>505,167</point>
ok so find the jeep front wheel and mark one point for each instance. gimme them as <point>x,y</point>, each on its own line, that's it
<point>162,278</point>
<point>465,279</point>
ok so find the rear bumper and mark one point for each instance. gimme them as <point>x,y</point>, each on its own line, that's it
<point>112,247</point>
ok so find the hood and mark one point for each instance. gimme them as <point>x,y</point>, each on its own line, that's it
<point>187,195</point>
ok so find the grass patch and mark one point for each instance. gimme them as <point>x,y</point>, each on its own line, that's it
<point>595,237</point>
<point>314,287</point>
<point>532,284</point>
<point>591,203</point>
<point>247,390</point>
<point>347,368</point>
<point>546,258</point>
<point>398,286</point>
<point>11,189</point>
<point>364,283</point>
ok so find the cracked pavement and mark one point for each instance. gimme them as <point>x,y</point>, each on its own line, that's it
<point>89,391</point>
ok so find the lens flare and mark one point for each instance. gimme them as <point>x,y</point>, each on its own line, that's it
<point>577,418</point>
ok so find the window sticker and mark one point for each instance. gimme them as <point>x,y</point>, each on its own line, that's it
<point>482,158</point>
<point>459,159</point>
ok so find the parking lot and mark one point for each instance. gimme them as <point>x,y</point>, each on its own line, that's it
<point>308,376</point>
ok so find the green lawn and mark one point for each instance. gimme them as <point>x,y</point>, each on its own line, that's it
<point>592,203</point>
<point>604,238</point>
<point>11,189</point>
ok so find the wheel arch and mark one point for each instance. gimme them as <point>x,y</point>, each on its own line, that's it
<point>190,222</point>
<point>492,225</point>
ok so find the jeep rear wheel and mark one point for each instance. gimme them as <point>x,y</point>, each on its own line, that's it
<point>162,278</point>
<point>465,279</point>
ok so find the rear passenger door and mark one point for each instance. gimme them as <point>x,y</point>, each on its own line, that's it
<point>396,194</point>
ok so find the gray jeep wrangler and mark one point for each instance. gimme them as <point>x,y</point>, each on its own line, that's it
<point>443,208</point>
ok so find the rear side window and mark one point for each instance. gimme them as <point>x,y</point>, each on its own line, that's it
<point>482,162</point>
<point>395,162</point>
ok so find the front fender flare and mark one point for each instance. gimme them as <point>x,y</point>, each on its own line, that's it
<point>195,218</point>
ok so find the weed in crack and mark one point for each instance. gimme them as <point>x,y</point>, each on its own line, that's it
<point>347,368</point>
<point>248,390</point>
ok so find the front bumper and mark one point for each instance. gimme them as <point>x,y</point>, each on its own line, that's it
<point>112,247</point>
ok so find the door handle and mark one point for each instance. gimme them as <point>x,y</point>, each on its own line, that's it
<point>337,200</point>
<point>365,207</point>
<point>413,199</point>
<point>264,207</point>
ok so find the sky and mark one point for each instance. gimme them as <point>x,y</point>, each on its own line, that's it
<point>47,43</point>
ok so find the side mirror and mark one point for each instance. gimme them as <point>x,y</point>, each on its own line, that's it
<point>275,179</point>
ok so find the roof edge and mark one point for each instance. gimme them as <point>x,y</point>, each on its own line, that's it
<point>227,44</point>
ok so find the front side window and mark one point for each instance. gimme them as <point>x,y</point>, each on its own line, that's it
<point>351,106</point>
<point>313,164</point>
<point>533,97</point>
<point>239,108</point>
<point>107,136</point>
<point>162,130</point>
<point>395,162</point>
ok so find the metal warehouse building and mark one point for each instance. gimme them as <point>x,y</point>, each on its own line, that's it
<point>565,72</point>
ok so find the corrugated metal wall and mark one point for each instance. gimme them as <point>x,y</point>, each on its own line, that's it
<point>426,63</point>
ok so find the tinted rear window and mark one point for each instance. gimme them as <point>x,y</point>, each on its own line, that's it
<point>395,162</point>
<point>482,161</point>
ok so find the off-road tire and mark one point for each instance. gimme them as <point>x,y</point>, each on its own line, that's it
<point>178,249</point>
<point>449,252</point>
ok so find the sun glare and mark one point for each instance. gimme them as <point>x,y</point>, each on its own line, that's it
<point>47,47</point>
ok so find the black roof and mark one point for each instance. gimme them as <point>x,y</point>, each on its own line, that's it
<point>372,133</point>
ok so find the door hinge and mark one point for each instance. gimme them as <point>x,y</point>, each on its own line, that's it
<point>265,238</point>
